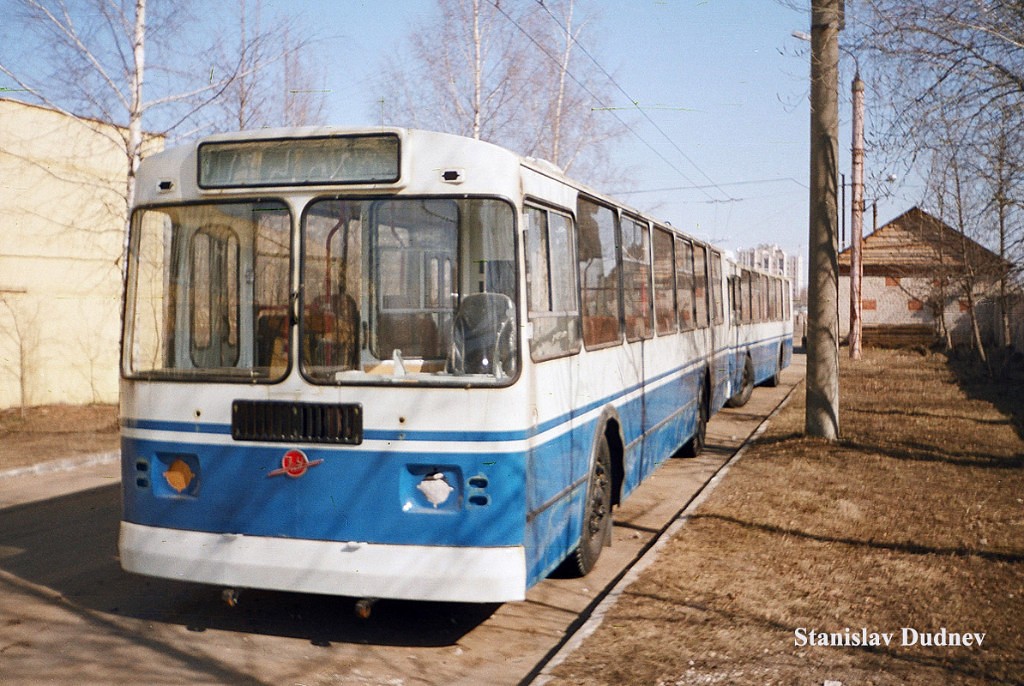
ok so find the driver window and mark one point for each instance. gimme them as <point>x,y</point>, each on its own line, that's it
<point>551,277</point>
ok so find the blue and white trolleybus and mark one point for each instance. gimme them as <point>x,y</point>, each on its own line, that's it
<point>389,363</point>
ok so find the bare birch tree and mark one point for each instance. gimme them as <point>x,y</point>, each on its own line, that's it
<point>105,56</point>
<point>947,62</point>
<point>505,74</point>
<point>952,73</point>
<point>464,72</point>
<point>952,196</point>
<point>274,85</point>
<point>302,84</point>
<point>576,129</point>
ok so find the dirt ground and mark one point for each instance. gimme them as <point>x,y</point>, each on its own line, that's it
<point>911,526</point>
<point>56,432</point>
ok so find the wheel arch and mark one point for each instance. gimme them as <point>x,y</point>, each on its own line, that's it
<point>610,430</point>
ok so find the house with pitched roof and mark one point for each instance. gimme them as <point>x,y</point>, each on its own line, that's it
<point>921,281</point>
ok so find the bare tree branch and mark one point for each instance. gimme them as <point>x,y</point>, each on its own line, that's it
<point>506,74</point>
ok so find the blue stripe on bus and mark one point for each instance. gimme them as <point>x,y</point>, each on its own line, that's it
<point>361,496</point>
<point>479,436</point>
<point>177,427</point>
<point>533,497</point>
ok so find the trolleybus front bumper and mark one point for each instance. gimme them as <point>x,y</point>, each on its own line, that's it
<point>365,570</point>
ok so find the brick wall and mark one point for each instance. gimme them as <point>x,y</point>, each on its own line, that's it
<point>904,301</point>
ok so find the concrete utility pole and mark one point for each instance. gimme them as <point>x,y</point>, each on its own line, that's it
<point>822,415</point>
<point>857,219</point>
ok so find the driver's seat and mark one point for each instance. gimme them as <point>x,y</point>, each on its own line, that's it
<point>483,336</point>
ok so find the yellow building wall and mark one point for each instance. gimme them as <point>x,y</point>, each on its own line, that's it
<point>62,215</point>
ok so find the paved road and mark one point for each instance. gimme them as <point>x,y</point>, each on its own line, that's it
<point>69,615</point>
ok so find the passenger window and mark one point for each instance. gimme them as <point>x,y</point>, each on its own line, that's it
<point>684,284</point>
<point>551,278</point>
<point>700,285</point>
<point>664,282</point>
<point>780,303</point>
<point>636,273</point>
<point>599,274</point>
<point>764,298</point>
<point>717,316</point>
<point>736,297</point>
<point>745,314</point>
<point>773,300</point>
<point>755,297</point>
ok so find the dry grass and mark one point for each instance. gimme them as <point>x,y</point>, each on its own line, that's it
<point>53,432</point>
<point>914,519</point>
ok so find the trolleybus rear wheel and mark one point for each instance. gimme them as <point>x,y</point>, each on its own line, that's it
<point>747,387</point>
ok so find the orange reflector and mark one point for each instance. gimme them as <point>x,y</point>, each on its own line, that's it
<point>179,476</point>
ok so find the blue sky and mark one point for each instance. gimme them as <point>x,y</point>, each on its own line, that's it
<point>724,89</point>
<point>716,93</point>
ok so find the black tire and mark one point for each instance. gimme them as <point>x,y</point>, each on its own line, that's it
<point>597,519</point>
<point>743,396</point>
<point>695,446</point>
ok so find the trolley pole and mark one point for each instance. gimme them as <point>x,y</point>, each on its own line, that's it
<point>822,415</point>
<point>857,218</point>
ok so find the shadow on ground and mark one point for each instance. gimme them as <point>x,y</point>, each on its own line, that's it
<point>69,545</point>
<point>1000,381</point>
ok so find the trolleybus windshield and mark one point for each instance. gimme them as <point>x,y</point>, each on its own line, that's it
<point>402,290</point>
<point>208,292</point>
<point>396,290</point>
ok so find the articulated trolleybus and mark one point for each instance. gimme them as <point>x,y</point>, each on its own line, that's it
<point>398,364</point>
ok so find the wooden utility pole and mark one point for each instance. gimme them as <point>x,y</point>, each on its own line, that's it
<point>857,218</point>
<point>822,415</point>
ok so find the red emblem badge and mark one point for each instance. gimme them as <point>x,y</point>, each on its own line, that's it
<point>294,464</point>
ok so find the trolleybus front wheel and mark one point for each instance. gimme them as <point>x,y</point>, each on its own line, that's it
<point>597,520</point>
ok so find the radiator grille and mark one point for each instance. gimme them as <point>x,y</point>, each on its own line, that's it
<point>294,422</point>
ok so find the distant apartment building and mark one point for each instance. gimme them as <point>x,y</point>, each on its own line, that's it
<point>774,260</point>
<point>62,217</point>
<point>769,258</point>
<point>795,271</point>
